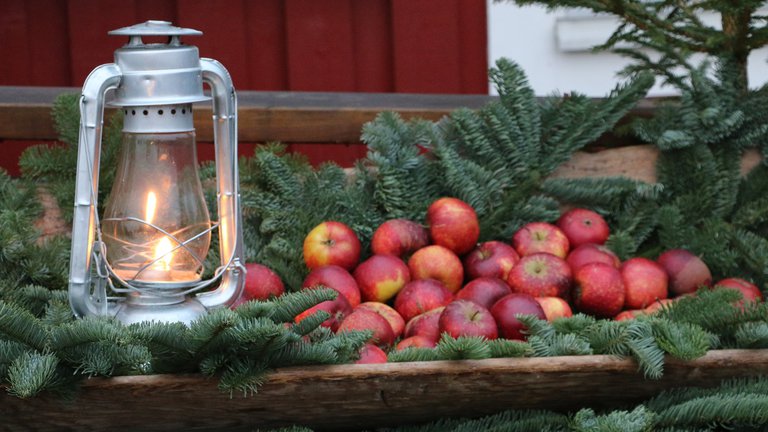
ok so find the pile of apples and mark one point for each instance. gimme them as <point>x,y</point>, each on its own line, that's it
<point>421,282</point>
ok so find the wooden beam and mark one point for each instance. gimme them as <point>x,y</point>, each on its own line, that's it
<point>356,397</point>
<point>303,117</point>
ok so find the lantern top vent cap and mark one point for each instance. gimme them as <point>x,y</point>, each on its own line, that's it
<point>155,28</point>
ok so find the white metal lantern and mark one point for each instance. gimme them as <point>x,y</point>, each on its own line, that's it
<point>149,247</point>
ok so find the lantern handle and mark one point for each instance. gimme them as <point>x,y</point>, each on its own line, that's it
<point>228,196</point>
<point>82,299</point>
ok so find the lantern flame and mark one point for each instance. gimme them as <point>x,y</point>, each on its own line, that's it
<point>164,254</point>
<point>151,207</point>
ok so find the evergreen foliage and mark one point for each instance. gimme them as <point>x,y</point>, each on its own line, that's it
<point>495,158</point>
<point>54,166</point>
<point>661,36</point>
<point>734,405</point>
<point>43,351</point>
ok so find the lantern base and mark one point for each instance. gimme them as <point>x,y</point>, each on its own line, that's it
<point>142,307</point>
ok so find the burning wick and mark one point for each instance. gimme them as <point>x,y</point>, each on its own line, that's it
<point>163,254</point>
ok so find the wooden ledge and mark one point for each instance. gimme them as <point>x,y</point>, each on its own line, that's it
<point>289,117</point>
<point>354,397</point>
<point>263,116</point>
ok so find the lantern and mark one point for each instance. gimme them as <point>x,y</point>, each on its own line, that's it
<point>145,257</point>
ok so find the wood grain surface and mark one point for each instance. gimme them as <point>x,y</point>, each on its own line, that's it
<point>355,397</point>
<point>307,117</point>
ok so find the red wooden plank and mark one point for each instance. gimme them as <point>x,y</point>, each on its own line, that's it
<point>47,43</point>
<point>14,69</point>
<point>89,22</point>
<point>372,38</point>
<point>265,42</point>
<point>426,37</point>
<point>12,150</point>
<point>473,46</point>
<point>320,49</point>
<point>223,25</point>
<point>164,10</point>
<point>344,155</point>
<point>207,152</point>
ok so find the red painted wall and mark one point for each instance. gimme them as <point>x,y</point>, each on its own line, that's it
<point>424,46</point>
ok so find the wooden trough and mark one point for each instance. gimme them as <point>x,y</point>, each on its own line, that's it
<point>354,397</point>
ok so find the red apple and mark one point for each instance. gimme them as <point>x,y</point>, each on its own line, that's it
<point>338,309</point>
<point>393,318</point>
<point>554,307</point>
<point>371,354</point>
<point>748,290</point>
<point>331,243</point>
<point>426,324</point>
<point>439,263</point>
<point>484,291</point>
<point>537,237</point>
<point>629,314</point>
<point>658,305</point>
<point>541,275</point>
<point>645,281</point>
<point>490,259</point>
<point>399,237</point>
<point>590,252</point>
<point>598,290</point>
<point>687,272</point>
<point>420,296</point>
<point>583,226</point>
<point>453,224</point>
<point>362,320</point>
<point>466,318</point>
<point>505,310</point>
<point>381,277</point>
<point>416,342</point>
<point>261,283</point>
<point>336,278</point>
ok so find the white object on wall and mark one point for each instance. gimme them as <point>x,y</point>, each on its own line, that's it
<point>554,49</point>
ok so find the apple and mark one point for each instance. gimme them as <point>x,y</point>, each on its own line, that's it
<point>537,237</point>
<point>381,277</point>
<point>598,290</point>
<point>554,307</point>
<point>645,281</point>
<point>399,237</point>
<point>393,318</point>
<point>466,318</point>
<point>658,305</point>
<point>331,243</point>
<point>583,226</point>
<point>365,320</point>
<point>484,291</point>
<point>426,324</point>
<point>687,272</point>
<point>748,290</point>
<point>490,259</point>
<point>541,275</point>
<point>338,308</point>
<point>590,252</point>
<point>505,310</point>
<point>336,278</point>
<point>439,263</point>
<point>371,354</point>
<point>453,224</point>
<point>420,296</point>
<point>416,342</point>
<point>629,314</point>
<point>261,283</point>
